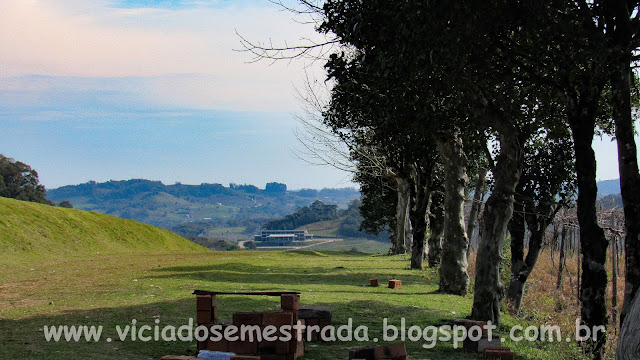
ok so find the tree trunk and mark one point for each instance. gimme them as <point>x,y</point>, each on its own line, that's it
<point>403,190</point>
<point>519,278</point>
<point>454,278</point>
<point>561,261</point>
<point>629,178</point>
<point>419,210</point>
<point>436,223</point>
<point>498,210</point>
<point>517,231</point>
<point>593,243</point>
<point>629,341</point>
<point>475,207</point>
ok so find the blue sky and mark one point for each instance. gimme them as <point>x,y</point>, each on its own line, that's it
<point>106,90</point>
<point>100,90</point>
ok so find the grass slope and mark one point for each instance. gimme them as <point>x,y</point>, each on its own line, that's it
<point>35,230</point>
<point>327,228</point>
<point>330,229</point>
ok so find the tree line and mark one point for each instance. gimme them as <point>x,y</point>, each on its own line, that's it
<point>430,97</point>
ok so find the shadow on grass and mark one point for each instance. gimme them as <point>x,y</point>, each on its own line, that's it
<point>24,339</point>
<point>294,278</point>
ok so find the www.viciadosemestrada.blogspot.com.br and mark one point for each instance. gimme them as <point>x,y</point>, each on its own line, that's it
<point>429,335</point>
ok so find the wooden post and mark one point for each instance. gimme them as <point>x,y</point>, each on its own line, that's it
<point>576,230</point>
<point>561,262</point>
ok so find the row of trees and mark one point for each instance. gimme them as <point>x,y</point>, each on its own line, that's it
<point>428,94</point>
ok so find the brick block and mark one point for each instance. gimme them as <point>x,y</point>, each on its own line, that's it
<point>315,333</point>
<point>499,354</point>
<point>396,351</point>
<point>274,347</point>
<point>244,357</point>
<point>273,357</point>
<point>373,282</point>
<point>202,345</point>
<point>205,302</point>
<point>324,323</point>
<point>395,284</point>
<point>277,319</point>
<point>485,343</point>
<point>362,353</point>
<point>222,345</point>
<point>247,318</point>
<point>290,302</point>
<point>243,347</point>
<point>478,346</point>
<point>299,349</point>
<point>474,326</point>
<point>498,348</point>
<point>204,316</point>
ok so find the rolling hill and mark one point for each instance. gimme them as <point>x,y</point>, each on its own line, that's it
<point>155,203</point>
<point>30,229</point>
<point>608,187</point>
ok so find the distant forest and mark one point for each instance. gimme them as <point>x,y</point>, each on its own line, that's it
<point>179,205</point>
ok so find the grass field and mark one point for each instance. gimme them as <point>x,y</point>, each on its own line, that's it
<point>113,290</point>
<point>55,282</point>
<point>357,245</point>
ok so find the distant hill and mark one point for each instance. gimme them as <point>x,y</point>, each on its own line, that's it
<point>608,187</point>
<point>30,229</point>
<point>167,206</point>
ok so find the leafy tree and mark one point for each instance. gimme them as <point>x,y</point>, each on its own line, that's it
<point>317,211</point>
<point>568,46</point>
<point>378,206</point>
<point>66,204</point>
<point>275,188</point>
<point>351,226</point>
<point>547,184</point>
<point>214,244</point>
<point>250,245</point>
<point>19,181</point>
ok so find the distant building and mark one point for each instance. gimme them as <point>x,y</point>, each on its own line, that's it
<point>282,237</point>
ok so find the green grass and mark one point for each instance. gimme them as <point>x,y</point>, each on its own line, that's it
<point>51,275</point>
<point>113,290</point>
<point>359,245</point>
<point>327,228</point>
<point>33,230</point>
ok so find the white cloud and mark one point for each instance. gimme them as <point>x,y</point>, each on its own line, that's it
<point>95,39</point>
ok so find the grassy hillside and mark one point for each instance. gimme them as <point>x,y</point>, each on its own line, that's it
<point>29,229</point>
<point>327,228</point>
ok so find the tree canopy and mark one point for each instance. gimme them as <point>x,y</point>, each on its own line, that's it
<point>19,181</point>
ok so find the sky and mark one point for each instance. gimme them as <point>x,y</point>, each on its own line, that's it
<point>120,89</point>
